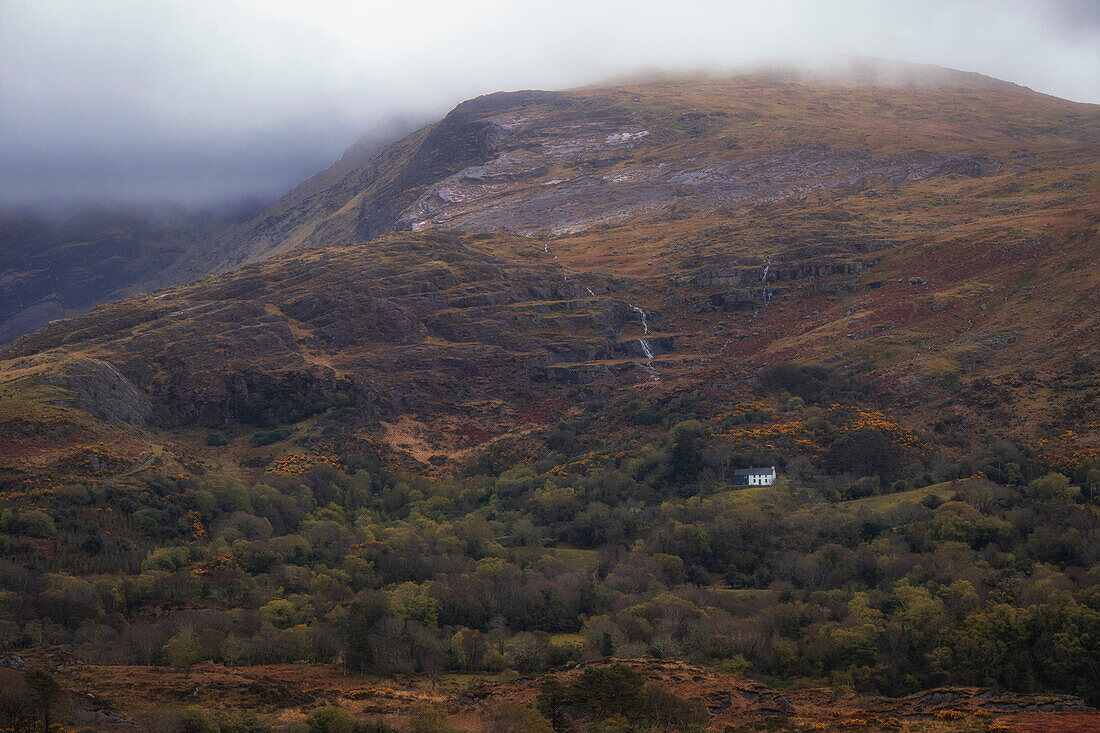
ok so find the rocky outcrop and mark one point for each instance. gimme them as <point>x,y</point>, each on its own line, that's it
<point>715,276</point>
<point>101,389</point>
<point>517,190</point>
<point>537,162</point>
<point>746,288</point>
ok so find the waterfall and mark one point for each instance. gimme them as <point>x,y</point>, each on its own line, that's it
<point>644,343</point>
<point>645,321</point>
<point>767,290</point>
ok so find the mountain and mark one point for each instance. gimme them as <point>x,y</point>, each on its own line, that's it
<point>467,407</point>
<point>487,166</point>
<point>934,236</point>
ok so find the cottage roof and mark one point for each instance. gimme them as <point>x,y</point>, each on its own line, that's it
<point>754,471</point>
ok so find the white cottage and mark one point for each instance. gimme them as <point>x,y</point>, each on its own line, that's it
<point>754,476</point>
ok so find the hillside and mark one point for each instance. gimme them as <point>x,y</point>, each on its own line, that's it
<point>471,402</point>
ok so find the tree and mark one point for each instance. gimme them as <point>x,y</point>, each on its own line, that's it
<point>360,656</point>
<point>866,452</point>
<point>1090,487</point>
<point>280,613</point>
<point>469,647</point>
<point>685,456</point>
<point>528,652</point>
<point>551,702</point>
<point>183,649</point>
<point>607,645</point>
<point>1053,486</point>
<point>412,601</point>
<point>15,707</point>
<point>608,691</point>
<point>43,691</point>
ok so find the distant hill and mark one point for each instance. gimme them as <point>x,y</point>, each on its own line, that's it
<point>59,265</point>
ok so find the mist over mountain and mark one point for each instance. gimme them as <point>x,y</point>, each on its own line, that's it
<point>200,102</point>
<point>61,256</point>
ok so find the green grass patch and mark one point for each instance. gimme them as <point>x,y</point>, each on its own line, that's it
<point>563,639</point>
<point>575,557</point>
<point>913,496</point>
<point>461,681</point>
<point>745,592</point>
<point>27,397</point>
<point>754,494</point>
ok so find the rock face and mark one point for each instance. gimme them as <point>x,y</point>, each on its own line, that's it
<point>102,390</point>
<point>499,196</point>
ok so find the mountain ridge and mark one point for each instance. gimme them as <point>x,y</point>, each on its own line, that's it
<point>370,218</point>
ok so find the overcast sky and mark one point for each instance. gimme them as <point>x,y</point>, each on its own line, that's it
<point>205,100</point>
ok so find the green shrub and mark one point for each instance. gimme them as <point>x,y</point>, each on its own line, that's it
<point>428,719</point>
<point>280,613</point>
<point>931,501</point>
<point>165,558</point>
<point>148,520</point>
<point>647,416</point>
<point>34,523</point>
<point>1051,486</point>
<point>665,709</point>
<point>949,379</point>
<point>183,649</point>
<point>267,437</point>
<point>331,720</point>
<point>814,384</point>
<point>198,720</point>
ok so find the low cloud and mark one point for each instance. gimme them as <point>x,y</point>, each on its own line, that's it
<point>201,100</point>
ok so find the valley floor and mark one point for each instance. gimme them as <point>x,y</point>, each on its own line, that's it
<point>284,696</point>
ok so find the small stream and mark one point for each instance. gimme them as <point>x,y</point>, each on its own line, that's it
<point>644,343</point>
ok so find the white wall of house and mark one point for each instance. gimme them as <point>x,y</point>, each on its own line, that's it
<point>756,479</point>
<point>762,480</point>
